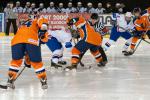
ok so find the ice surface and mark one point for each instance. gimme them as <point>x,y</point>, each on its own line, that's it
<point>123,78</point>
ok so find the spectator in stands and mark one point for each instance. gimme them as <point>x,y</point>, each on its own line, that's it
<point>61,8</point>
<point>90,8</point>
<point>109,8</point>
<point>11,17</point>
<point>18,8</point>
<point>118,8</point>
<point>70,8</point>
<point>41,8</point>
<point>51,8</point>
<point>123,6</point>
<point>27,8</point>
<point>33,7</point>
<point>100,9</point>
<point>80,8</point>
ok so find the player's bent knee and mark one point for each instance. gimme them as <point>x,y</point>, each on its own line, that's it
<point>75,51</point>
<point>14,68</point>
<point>39,69</point>
<point>37,65</point>
<point>16,63</point>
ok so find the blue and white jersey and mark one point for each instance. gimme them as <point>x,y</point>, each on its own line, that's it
<point>61,35</point>
<point>121,23</point>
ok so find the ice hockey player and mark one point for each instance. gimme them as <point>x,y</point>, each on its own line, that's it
<point>26,41</point>
<point>141,23</point>
<point>100,28</point>
<point>90,39</point>
<point>58,39</point>
<point>122,25</point>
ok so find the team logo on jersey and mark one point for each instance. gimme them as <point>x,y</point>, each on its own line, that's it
<point>33,41</point>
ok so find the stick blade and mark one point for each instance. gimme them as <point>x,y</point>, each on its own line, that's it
<point>3,87</point>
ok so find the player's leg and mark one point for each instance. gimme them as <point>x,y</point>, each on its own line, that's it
<point>68,46</point>
<point>104,56</point>
<point>17,56</point>
<point>128,37</point>
<point>55,58</point>
<point>61,60</point>
<point>97,55</point>
<point>132,46</point>
<point>34,53</point>
<point>113,38</point>
<point>79,48</point>
<point>27,61</point>
<point>57,49</point>
<point>136,36</point>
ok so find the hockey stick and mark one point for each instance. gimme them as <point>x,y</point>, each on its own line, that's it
<point>146,41</point>
<point>141,41</point>
<point>137,45</point>
<point>5,86</point>
<point>104,56</point>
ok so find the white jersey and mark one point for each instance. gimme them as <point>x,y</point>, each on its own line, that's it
<point>18,9</point>
<point>42,10</point>
<point>81,9</point>
<point>51,10</point>
<point>70,10</point>
<point>27,10</point>
<point>121,23</point>
<point>61,10</point>
<point>90,10</point>
<point>100,10</point>
<point>61,35</point>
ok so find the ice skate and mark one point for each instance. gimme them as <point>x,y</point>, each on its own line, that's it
<point>56,65</point>
<point>72,67</point>
<point>62,62</point>
<point>131,52</point>
<point>44,83</point>
<point>10,83</point>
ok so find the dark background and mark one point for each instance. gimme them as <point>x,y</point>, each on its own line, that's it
<point>130,4</point>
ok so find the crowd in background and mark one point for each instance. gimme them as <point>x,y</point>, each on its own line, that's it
<point>71,8</point>
<point>12,9</point>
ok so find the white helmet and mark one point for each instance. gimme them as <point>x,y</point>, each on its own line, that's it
<point>128,14</point>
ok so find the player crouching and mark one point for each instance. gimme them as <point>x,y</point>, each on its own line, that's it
<point>26,41</point>
<point>90,39</point>
<point>55,43</point>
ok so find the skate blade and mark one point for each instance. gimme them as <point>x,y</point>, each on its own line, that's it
<point>3,87</point>
<point>44,87</point>
<point>10,86</point>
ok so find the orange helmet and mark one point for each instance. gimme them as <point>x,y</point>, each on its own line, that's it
<point>69,21</point>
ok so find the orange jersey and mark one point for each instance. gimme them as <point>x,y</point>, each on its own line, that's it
<point>142,23</point>
<point>87,32</point>
<point>28,33</point>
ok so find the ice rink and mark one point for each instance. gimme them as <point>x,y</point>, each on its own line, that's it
<point>123,78</point>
